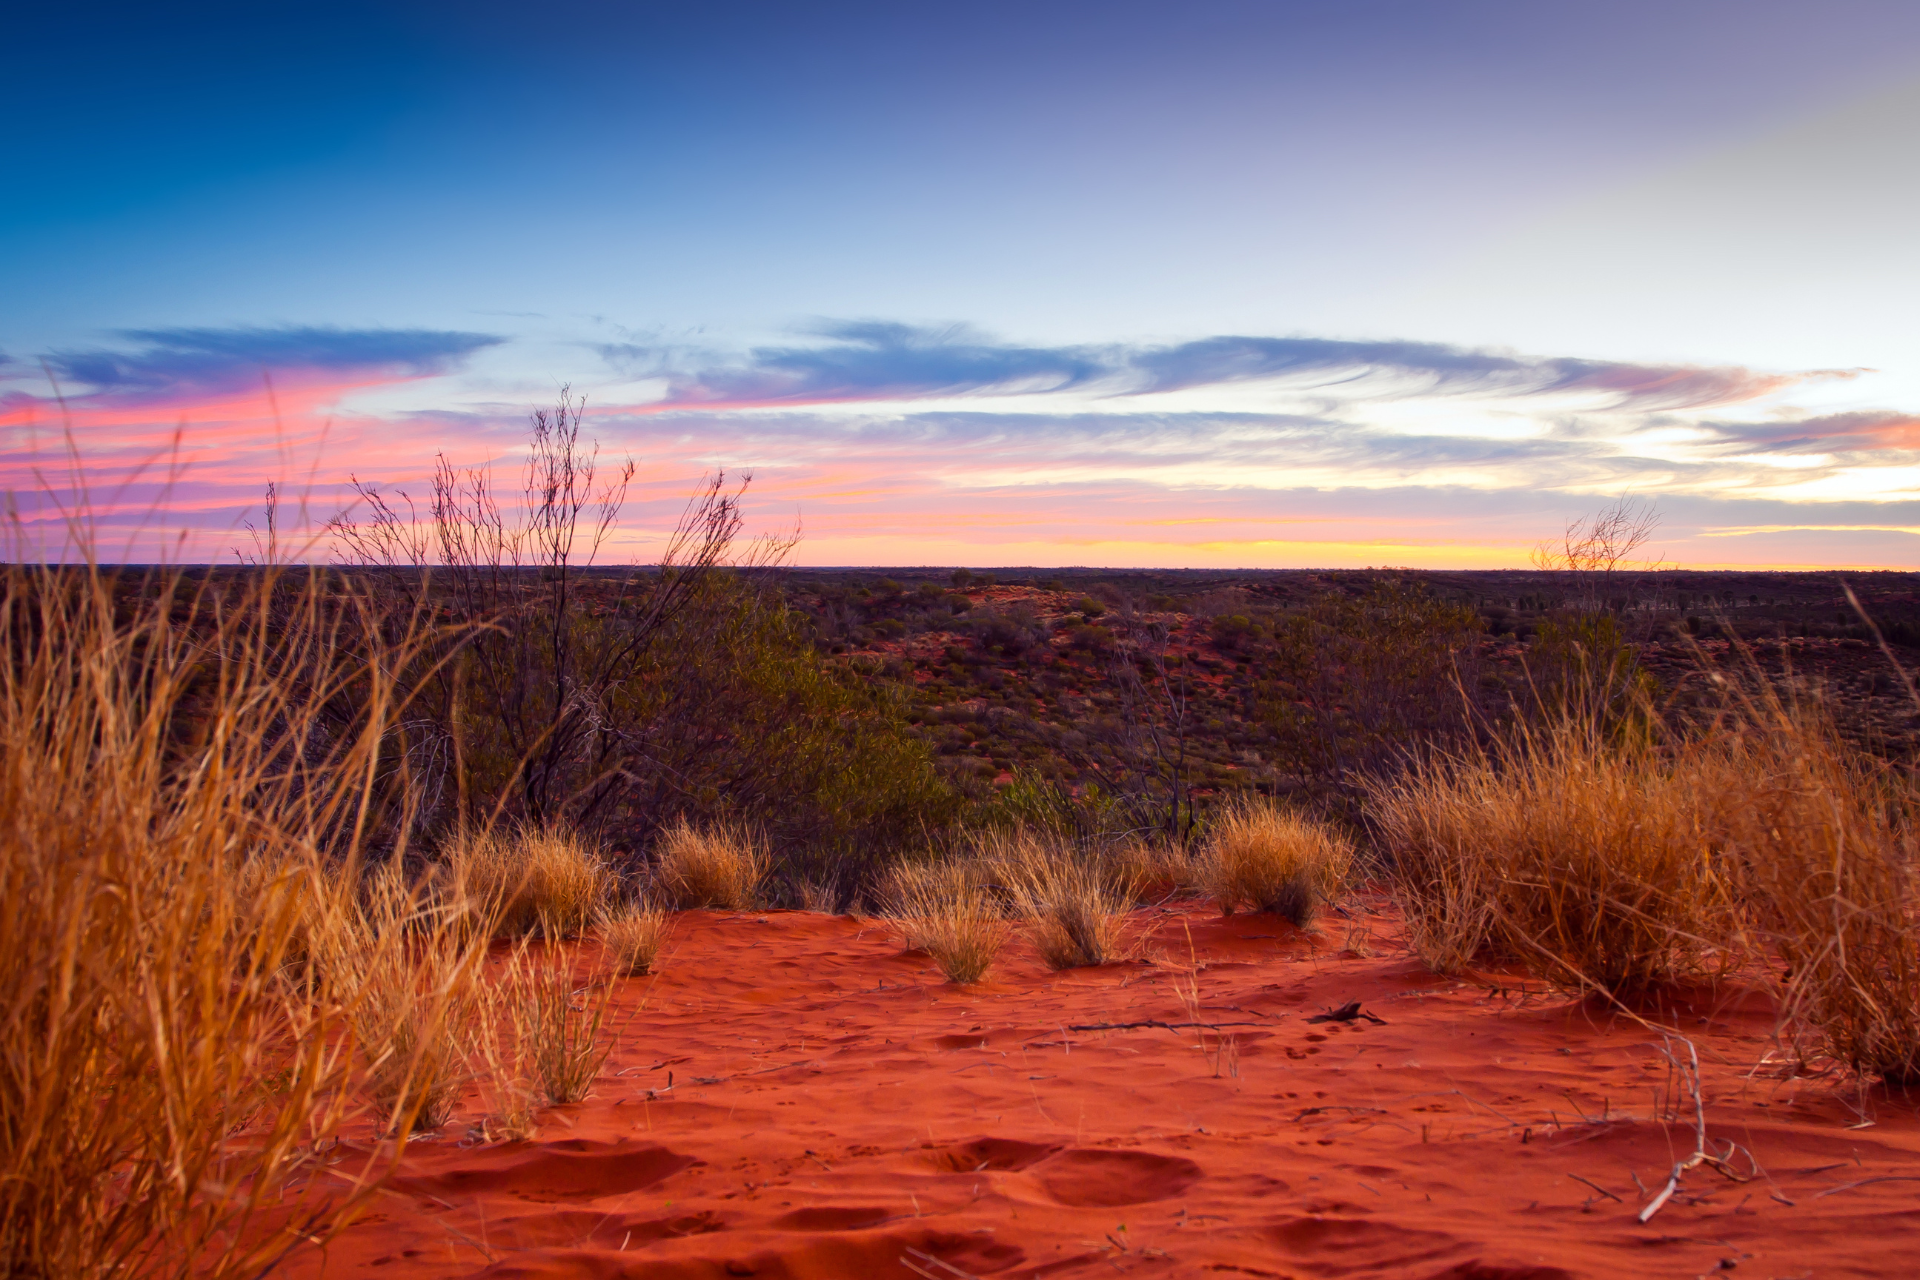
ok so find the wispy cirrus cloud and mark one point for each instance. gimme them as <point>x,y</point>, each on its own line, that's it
<point>187,424</point>
<point>876,361</point>
<point>203,360</point>
<point>1870,431</point>
<point>899,443</point>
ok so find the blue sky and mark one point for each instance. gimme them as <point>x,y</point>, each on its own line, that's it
<point>1070,283</point>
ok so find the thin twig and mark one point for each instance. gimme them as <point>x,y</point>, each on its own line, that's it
<point>1597,1187</point>
<point>1154,1022</point>
<point>1848,1186</point>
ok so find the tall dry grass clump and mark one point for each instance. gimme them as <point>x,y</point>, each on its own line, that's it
<point>181,768</point>
<point>950,911</point>
<point>545,1031</point>
<point>1820,837</point>
<point>416,970</point>
<point>1266,858</point>
<point>526,880</point>
<point>1592,862</point>
<point>1156,868</point>
<point>1074,902</point>
<point>632,935</point>
<point>719,866</point>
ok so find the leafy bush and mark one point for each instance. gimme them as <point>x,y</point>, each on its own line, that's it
<point>1354,685</point>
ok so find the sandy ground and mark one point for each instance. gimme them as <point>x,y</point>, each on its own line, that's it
<point>837,1110</point>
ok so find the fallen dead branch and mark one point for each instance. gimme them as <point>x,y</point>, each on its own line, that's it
<point>1689,1073</point>
<point>1348,1012</point>
<point>1155,1022</point>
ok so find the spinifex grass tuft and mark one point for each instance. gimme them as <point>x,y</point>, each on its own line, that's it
<point>1261,856</point>
<point>1591,861</point>
<point>1075,904</point>
<point>418,973</point>
<point>633,933</point>
<point>553,1025</point>
<point>530,880</point>
<point>720,866</point>
<point>948,910</point>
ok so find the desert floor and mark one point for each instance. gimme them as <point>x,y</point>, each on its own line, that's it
<point>837,1110</point>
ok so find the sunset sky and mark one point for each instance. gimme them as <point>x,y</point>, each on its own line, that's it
<point>1204,284</point>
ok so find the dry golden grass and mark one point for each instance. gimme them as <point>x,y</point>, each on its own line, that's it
<point>949,910</point>
<point>1075,903</point>
<point>1610,864</point>
<point>633,934</point>
<point>1592,863</point>
<point>509,1089</point>
<point>172,808</point>
<point>417,971</point>
<point>720,866</point>
<point>515,883</point>
<point>1156,868</point>
<point>549,1025</point>
<point>1820,839</point>
<point>1261,856</point>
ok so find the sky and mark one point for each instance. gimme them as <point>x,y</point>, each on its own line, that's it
<point>1274,284</point>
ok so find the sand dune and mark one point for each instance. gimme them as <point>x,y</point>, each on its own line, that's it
<point>837,1110</point>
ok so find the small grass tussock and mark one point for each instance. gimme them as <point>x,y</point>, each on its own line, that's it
<point>1266,858</point>
<point>549,1031</point>
<point>530,880</point>
<point>632,935</point>
<point>1158,869</point>
<point>1075,903</point>
<point>949,910</point>
<point>1590,861</point>
<point>720,866</point>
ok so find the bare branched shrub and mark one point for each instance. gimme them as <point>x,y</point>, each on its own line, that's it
<point>1594,552</point>
<point>1266,858</point>
<point>950,911</point>
<point>1590,861</point>
<point>171,1053</point>
<point>537,716</point>
<point>632,934</point>
<point>514,883</point>
<point>719,866</point>
<point>1074,902</point>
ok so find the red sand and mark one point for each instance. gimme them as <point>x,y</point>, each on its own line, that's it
<point>839,1111</point>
